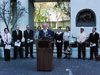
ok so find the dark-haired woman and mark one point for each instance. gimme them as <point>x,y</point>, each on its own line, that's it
<point>67,35</point>
<point>7,42</point>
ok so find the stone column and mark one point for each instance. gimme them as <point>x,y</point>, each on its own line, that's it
<point>31,14</point>
<point>14,11</point>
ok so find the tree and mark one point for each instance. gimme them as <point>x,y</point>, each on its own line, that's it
<point>43,12</point>
<point>7,15</point>
<point>63,8</point>
<point>40,12</point>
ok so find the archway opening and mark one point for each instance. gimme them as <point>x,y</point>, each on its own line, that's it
<point>53,13</point>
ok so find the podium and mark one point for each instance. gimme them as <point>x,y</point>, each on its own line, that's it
<point>44,55</point>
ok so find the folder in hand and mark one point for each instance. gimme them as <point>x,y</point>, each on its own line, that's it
<point>8,47</point>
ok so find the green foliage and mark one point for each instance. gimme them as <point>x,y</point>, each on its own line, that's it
<point>40,12</point>
<point>40,18</point>
<point>44,10</point>
<point>62,7</point>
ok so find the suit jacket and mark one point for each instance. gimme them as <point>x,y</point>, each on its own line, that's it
<point>94,38</point>
<point>49,34</point>
<point>15,36</point>
<point>1,40</point>
<point>0,36</point>
<point>29,35</point>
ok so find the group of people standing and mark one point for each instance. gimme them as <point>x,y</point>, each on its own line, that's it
<point>16,39</point>
<point>93,43</point>
<point>66,38</point>
<point>58,37</point>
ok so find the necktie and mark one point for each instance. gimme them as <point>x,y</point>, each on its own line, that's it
<point>45,33</point>
<point>28,31</point>
<point>17,32</point>
<point>93,34</point>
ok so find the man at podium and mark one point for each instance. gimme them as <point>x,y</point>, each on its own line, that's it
<point>44,49</point>
<point>45,33</point>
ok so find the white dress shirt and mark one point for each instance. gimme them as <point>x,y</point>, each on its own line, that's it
<point>17,32</point>
<point>81,37</point>
<point>45,31</point>
<point>93,33</point>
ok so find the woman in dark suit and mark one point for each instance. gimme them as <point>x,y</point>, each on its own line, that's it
<point>59,42</point>
<point>7,41</point>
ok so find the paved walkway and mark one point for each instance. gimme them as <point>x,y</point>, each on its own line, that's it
<point>29,67</point>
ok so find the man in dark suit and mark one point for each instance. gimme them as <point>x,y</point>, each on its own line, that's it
<point>17,37</point>
<point>93,40</point>
<point>45,33</point>
<point>28,35</point>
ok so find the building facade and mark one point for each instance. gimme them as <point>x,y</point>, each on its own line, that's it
<point>27,17</point>
<point>84,13</point>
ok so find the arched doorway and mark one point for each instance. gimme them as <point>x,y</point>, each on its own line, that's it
<point>86,18</point>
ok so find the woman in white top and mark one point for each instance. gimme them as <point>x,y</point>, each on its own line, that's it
<point>66,37</point>
<point>7,42</point>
